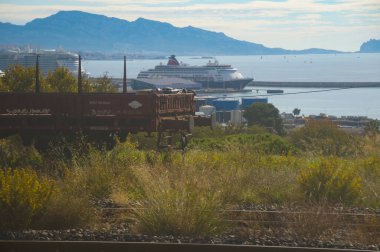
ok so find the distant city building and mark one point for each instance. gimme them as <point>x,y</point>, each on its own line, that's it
<point>49,60</point>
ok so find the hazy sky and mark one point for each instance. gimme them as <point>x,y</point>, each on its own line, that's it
<point>290,24</point>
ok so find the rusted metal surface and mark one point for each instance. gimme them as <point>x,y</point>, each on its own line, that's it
<point>149,111</point>
<point>209,121</point>
<point>94,246</point>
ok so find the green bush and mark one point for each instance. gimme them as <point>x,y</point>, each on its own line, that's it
<point>259,143</point>
<point>23,197</point>
<point>323,137</point>
<point>269,179</point>
<point>331,180</point>
<point>66,152</point>
<point>99,182</point>
<point>14,154</point>
<point>370,172</point>
<point>263,143</point>
<point>125,154</point>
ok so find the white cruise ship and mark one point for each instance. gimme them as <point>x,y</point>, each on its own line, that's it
<point>49,60</point>
<point>212,76</point>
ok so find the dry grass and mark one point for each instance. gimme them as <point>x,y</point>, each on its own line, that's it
<point>176,194</point>
<point>177,201</point>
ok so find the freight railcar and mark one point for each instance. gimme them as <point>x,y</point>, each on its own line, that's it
<point>29,114</point>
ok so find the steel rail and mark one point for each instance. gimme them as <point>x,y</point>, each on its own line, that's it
<point>270,218</point>
<point>98,246</point>
<point>261,215</point>
<point>259,211</point>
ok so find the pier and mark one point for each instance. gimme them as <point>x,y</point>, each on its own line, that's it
<point>305,84</point>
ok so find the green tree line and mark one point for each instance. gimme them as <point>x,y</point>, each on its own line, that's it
<point>22,79</point>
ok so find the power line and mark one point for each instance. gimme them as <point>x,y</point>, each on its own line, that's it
<point>306,92</point>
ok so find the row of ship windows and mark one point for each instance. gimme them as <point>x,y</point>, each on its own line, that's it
<point>205,71</point>
<point>181,76</point>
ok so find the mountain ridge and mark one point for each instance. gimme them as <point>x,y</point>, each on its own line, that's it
<point>371,46</point>
<point>82,31</point>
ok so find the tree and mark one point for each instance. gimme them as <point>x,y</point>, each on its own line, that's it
<point>2,88</point>
<point>20,79</point>
<point>373,127</point>
<point>105,85</point>
<point>61,80</point>
<point>373,130</point>
<point>264,114</point>
<point>88,85</point>
<point>296,111</point>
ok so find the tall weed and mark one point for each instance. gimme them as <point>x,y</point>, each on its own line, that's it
<point>177,201</point>
<point>369,169</point>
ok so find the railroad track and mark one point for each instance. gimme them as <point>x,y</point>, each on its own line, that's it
<point>278,217</point>
<point>96,246</point>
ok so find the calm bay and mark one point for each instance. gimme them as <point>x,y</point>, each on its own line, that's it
<point>353,67</point>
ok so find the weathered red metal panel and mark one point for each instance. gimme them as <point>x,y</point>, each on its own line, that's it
<point>140,111</point>
<point>27,104</point>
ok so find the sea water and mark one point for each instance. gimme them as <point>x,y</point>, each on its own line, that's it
<point>322,67</point>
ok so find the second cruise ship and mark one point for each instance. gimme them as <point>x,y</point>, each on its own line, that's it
<point>49,60</point>
<point>212,75</point>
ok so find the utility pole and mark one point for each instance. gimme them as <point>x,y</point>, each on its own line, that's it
<point>125,75</point>
<point>80,75</point>
<point>37,75</point>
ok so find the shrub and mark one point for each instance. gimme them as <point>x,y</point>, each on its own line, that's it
<point>370,172</point>
<point>92,179</point>
<point>23,196</point>
<point>14,154</point>
<point>207,132</point>
<point>66,210</point>
<point>126,154</point>
<point>331,180</point>
<point>270,179</point>
<point>70,205</point>
<point>260,143</point>
<point>66,151</point>
<point>263,143</point>
<point>323,137</point>
<point>177,202</point>
<point>98,180</point>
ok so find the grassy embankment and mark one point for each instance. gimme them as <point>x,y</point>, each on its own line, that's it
<point>314,168</point>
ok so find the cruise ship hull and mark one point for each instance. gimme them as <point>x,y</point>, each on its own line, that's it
<point>237,84</point>
<point>210,76</point>
<point>48,60</point>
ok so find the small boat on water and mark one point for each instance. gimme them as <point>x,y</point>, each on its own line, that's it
<point>275,91</point>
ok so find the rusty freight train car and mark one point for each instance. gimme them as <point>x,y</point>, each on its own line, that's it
<point>29,114</point>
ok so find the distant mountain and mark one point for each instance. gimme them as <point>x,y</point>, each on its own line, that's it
<point>371,46</point>
<point>81,31</point>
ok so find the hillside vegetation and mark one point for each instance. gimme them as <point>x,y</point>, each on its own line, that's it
<point>65,185</point>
